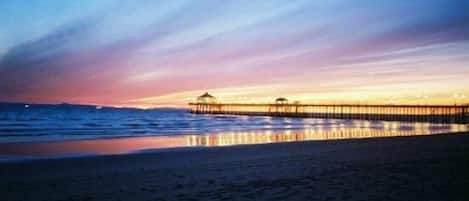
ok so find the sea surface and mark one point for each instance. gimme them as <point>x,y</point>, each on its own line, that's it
<point>30,131</point>
<point>32,123</point>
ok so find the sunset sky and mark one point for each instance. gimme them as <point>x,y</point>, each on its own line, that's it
<point>165,53</point>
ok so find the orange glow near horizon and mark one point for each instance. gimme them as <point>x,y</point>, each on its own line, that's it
<point>394,94</point>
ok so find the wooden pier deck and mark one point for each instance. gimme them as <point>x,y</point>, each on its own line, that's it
<point>410,113</point>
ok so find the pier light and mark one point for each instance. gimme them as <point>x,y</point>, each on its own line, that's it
<point>206,98</point>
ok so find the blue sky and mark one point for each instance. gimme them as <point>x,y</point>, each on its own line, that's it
<point>151,53</point>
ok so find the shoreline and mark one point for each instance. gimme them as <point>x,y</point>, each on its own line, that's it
<point>23,151</point>
<point>46,137</point>
<point>394,168</point>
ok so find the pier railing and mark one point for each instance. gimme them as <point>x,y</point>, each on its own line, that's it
<point>411,113</point>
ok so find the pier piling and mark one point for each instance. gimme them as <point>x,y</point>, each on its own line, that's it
<point>411,113</point>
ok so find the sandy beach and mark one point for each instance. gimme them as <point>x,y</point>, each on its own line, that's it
<point>396,168</point>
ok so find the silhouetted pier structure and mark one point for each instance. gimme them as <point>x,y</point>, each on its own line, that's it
<point>410,113</point>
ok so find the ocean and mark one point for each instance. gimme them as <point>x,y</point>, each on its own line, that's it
<point>38,123</point>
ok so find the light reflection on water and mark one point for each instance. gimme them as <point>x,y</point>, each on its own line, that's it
<point>361,129</point>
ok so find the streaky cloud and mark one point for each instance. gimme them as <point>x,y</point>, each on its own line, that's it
<point>129,51</point>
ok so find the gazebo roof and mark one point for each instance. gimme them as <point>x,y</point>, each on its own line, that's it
<point>281,99</point>
<point>206,95</point>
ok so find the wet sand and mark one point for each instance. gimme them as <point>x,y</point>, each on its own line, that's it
<point>396,168</point>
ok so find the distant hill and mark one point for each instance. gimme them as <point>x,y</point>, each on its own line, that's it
<point>9,105</point>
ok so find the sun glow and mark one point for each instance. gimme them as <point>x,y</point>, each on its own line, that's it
<point>268,93</point>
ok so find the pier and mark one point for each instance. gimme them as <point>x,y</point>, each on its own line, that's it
<point>206,104</point>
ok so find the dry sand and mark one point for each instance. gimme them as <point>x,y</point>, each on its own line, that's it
<point>400,168</point>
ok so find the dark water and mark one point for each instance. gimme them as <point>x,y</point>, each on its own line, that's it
<point>21,123</point>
